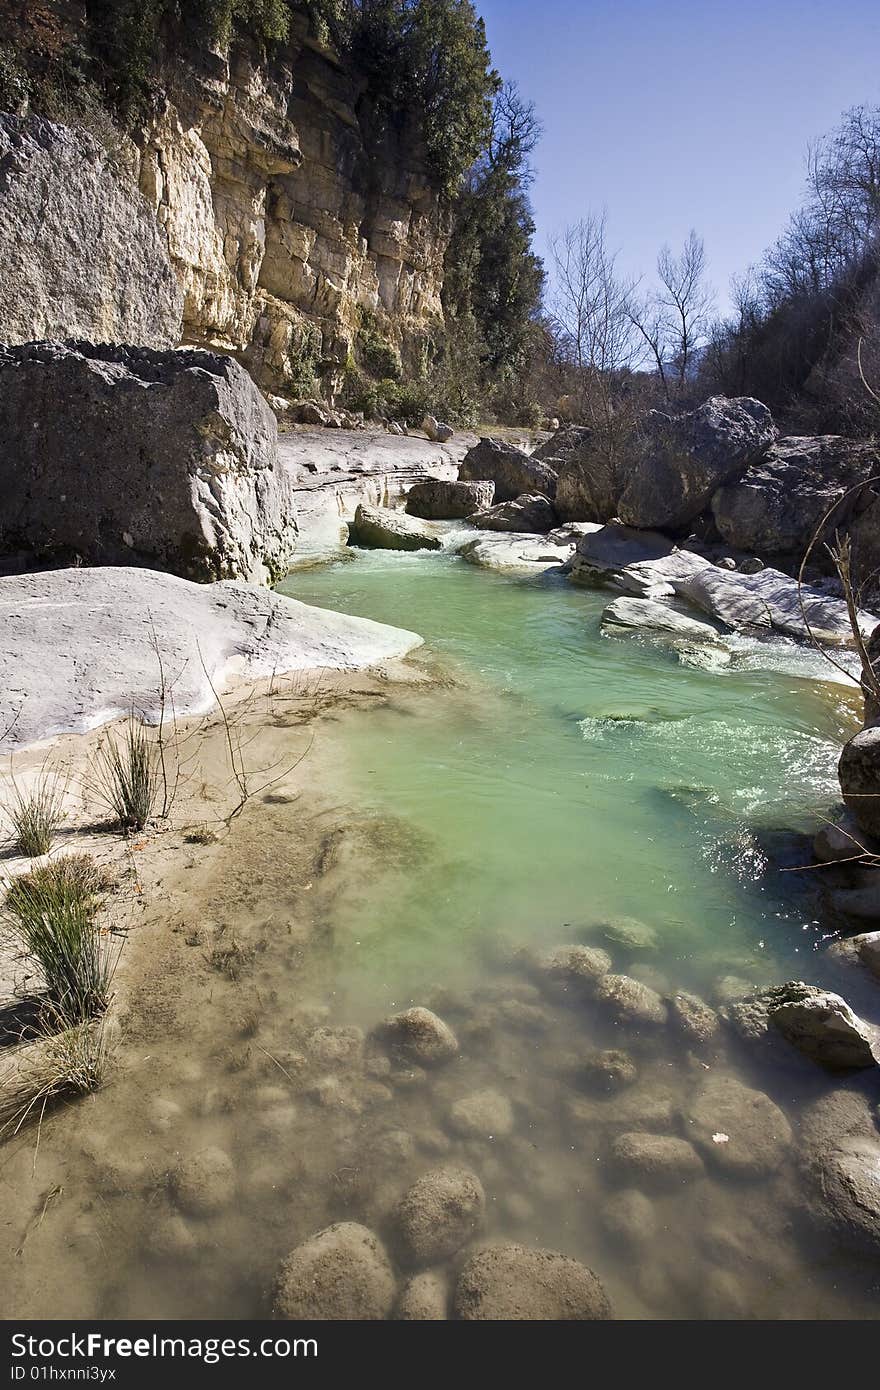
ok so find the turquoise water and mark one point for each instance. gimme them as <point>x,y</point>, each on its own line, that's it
<point>568,778</point>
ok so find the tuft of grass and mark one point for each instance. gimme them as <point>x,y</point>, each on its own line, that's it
<point>202,835</point>
<point>36,814</point>
<point>51,913</point>
<point>126,775</point>
<point>63,1062</point>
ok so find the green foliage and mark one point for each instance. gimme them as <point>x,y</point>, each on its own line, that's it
<point>126,776</point>
<point>36,814</point>
<point>15,84</point>
<point>51,912</point>
<point>379,357</point>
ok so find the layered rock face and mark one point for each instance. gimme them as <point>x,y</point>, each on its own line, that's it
<point>132,456</point>
<point>282,225</point>
<point>82,253</point>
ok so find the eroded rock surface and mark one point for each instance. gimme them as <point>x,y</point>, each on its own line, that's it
<point>131,456</point>
<point>341,1273</point>
<point>512,1282</point>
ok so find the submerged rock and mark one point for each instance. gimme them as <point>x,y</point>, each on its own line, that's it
<point>630,933</point>
<point>511,1282</point>
<point>440,499</point>
<point>738,1130</point>
<point>629,1217</point>
<point>442,1211</point>
<point>657,1158</point>
<point>418,1036</point>
<point>512,470</point>
<point>530,512</point>
<point>693,1018</point>
<point>342,1273</point>
<point>424,1298</point>
<point>483,1115</point>
<point>607,1069</point>
<point>629,1001</point>
<point>379,528</point>
<point>204,1182</point>
<point>575,963</point>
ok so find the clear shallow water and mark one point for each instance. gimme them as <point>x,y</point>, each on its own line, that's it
<point>549,781</point>
<point>572,778</point>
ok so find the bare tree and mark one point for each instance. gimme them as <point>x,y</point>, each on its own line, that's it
<point>674,320</point>
<point>591,314</point>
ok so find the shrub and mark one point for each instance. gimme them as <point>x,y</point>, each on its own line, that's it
<point>126,776</point>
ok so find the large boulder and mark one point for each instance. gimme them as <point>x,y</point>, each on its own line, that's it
<point>121,456</point>
<point>863,950</point>
<point>340,1274</point>
<point>589,482</point>
<point>529,513</point>
<point>379,528</point>
<point>439,499</point>
<point>777,505</point>
<point>823,1026</point>
<point>626,615</point>
<point>859,773</point>
<point>505,1283</point>
<point>515,553</point>
<point>604,553</point>
<point>83,255</point>
<point>512,470</point>
<point>680,460</point>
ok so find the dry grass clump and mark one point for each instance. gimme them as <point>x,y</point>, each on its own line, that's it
<point>36,813</point>
<point>126,775</point>
<point>57,1065</point>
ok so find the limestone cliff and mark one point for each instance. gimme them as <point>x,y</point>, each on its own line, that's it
<point>287,228</point>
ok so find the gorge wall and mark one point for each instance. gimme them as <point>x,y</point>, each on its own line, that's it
<point>293,237</point>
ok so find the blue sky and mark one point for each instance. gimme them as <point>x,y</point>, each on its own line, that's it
<point>681,114</point>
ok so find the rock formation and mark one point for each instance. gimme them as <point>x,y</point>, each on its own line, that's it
<point>134,456</point>
<point>82,253</point>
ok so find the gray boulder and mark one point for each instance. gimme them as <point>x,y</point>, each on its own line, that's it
<point>776,506</point>
<point>693,1019</point>
<point>440,500</point>
<point>606,552</point>
<point>823,1026</point>
<point>681,460</point>
<point>505,1283</point>
<point>515,554</point>
<point>125,456</point>
<point>442,1211</point>
<point>531,512</point>
<point>379,528</point>
<point>863,950</point>
<point>859,773</point>
<point>340,1274</point>
<point>589,485</point>
<point>82,253</point>
<point>842,1158</point>
<point>629,615</point>
<point>512,470</point>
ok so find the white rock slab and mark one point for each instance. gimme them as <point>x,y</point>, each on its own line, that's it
<point>77,646</point>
